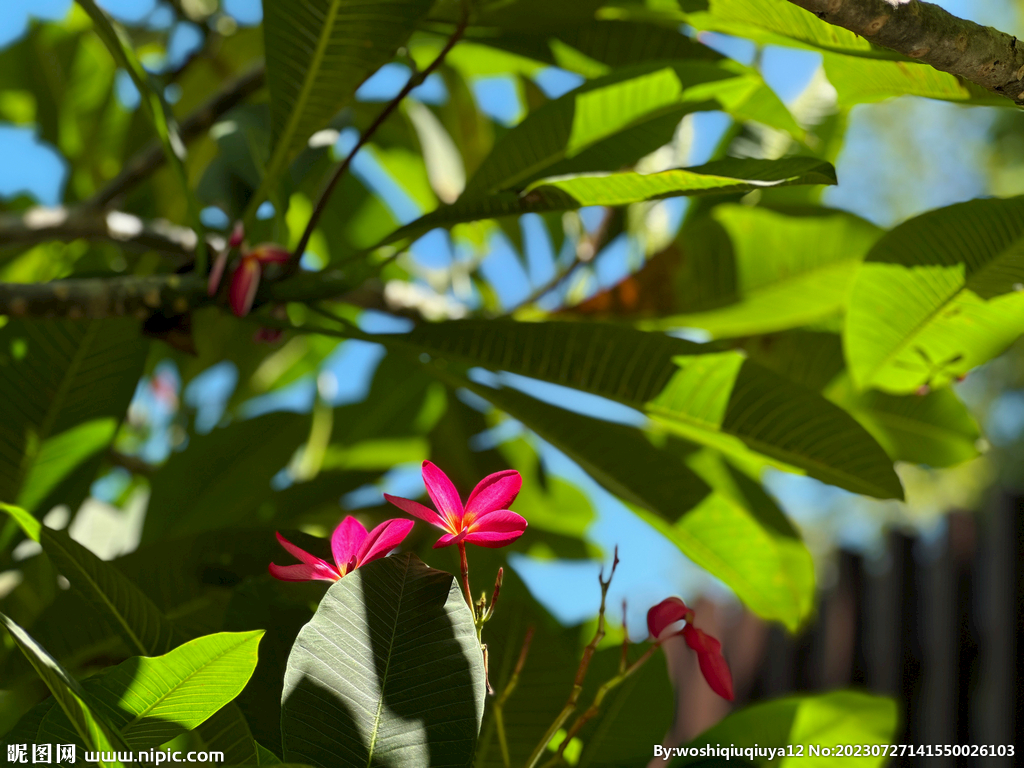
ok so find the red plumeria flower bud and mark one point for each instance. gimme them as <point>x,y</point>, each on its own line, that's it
<point>246,279</point>
<point>351,546</point>
<point>485,520</point>
<point>237,235</point>
<point>709,651</point>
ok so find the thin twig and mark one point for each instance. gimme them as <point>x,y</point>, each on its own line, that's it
<point>499,704</point>
<point>465,583</point>
<point>595,706</point>
<point>586,250</point>
<point>152,157</point>
<point>414,81</point>
<point>581,671</point>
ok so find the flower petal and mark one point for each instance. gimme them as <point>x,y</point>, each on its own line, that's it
<point>347,540</point>
<point>668,611</point>
<point>443,494</point>
<point>382,540</point>
<point>414,508</point>
<point>237,235</point>
<point>267,253</point>
<point>450,538</point>
<point>712,664</point>
<point>244,283</point>
<point>494,492</point>
<point>496,529</point>
<point>217,272</point>
<point>303,572</point>
<point>298,552</point>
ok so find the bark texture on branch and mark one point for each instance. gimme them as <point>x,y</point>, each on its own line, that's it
<point>923,31</point>
<point>142,297</point>
<point>43,225</point>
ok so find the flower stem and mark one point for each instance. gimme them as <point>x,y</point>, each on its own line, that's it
<point>465,581</point>
<point>581,672</point>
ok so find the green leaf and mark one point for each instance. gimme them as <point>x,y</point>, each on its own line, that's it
<point>152,700</point>
<point>937,296</point>
<point>111,593</point>
<point>731,175</point>
<point>318,53</point>
<point>266,757</point>
<point>839,717</point>
<point>611,122</point>
<point>863,81</point>
<point>60,455</point>
<point>616,44</point>
<point>570,192</point>
<point>97,734</point>
<point>743,539</point>
<point>753,270</point>
<point>935,429</point>
<point>715,399</point>
<point>55,376</point>
<point>223,477</point>
<point>778,22</point>
<point>391,661</point>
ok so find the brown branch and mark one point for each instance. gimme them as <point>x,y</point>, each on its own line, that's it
<point>152,157</point>
<point>928,33</point>
<point>415,80</point>
<point>41,225</point>
<point>141,297</point>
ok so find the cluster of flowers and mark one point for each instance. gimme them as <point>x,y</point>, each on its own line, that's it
<point>485,520</point>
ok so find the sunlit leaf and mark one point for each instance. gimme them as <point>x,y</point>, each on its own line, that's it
<point>719,399</point>
<point>753,270</point>
<point>937,296</point>
<point>371,661</point>
<point>94,731</point>
<point>577,191</point>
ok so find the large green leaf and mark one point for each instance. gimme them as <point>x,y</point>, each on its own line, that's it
<point>937,296</point>
<point>613,121</point>
<point>620,43</point>
<point>826,720</point>
<point>720,400</point>
<point>860,81</point>
<point>935,429</point>
<point>778,22</point>
<point>753,270</point>
<point>152,700</point>
<point>318,53</point>
<point>112,595</point>
<point>390,660</point>
<point>223,477</point>
<point>93,730</point>
<point>743,539</point>
<point>564,193</point>
<point>56,376</point>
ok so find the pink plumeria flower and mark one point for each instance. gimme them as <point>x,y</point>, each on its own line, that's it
<point>351,546</point>
<point>246,278</point>
<point>485,520</point>
<point>709,651</point>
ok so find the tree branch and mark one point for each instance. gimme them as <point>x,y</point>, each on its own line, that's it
<point>141,297</point>
<point>417,79</point>
<point>928,33</point>
<point>152,157</point>
<point>41,225</point>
